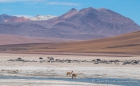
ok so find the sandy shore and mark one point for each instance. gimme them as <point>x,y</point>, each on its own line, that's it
<point>58,70</point>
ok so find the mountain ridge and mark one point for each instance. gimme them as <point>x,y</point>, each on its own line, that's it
<point>14,18</point>
<point>84,24</point>
<point>9,18</point>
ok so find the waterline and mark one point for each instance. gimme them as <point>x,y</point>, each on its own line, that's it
<point>114,81</point>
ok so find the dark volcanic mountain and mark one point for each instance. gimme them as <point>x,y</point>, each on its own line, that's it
<point>87,23</point>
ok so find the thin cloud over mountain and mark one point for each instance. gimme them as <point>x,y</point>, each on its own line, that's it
<point>63,3</point>
<point>21,1</point>
<point>48,2</point>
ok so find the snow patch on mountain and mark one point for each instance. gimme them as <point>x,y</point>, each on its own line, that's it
<point>37,18</point>
<point>40,17</point>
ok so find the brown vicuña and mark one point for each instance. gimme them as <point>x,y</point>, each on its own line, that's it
<point>69,73</point>
<point>74,75</point>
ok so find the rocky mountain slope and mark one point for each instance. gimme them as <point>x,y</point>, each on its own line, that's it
<point>88,23</point>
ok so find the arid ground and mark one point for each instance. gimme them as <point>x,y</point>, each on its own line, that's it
<point>34,67</point>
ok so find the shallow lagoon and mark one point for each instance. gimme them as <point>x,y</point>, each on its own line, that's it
<point>115,81</point>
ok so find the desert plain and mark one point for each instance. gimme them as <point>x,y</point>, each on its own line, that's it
<point>35,67</point>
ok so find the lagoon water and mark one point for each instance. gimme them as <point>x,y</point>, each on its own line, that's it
<point>115,81</point>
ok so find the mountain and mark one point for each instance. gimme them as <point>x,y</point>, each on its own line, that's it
<point>8,18</point>
<point>40,17</point>
<point>88,23</point>
<point>123,44</point>
<point>95,21</point>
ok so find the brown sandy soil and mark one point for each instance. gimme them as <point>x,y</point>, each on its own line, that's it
<point>124,44</point>
<point>6,39</point>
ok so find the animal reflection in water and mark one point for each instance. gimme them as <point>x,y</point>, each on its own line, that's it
<point>73,75</point>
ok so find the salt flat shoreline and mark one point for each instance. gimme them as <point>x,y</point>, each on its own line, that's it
<point>75,54</point>
<point>58,70</point>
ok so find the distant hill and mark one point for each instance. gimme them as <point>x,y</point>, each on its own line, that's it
<point>123,44</point>
<point>6,39</point>
<point>8,18</point>
<point>85,24</point>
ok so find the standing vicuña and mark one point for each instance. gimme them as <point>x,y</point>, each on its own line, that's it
<point>69,73</point>
<point>74,75</point>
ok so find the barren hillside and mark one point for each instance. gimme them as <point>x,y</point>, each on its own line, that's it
<point>6,39</point>
<point>124,44</point>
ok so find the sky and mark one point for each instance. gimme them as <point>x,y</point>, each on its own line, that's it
<point>127,8</point>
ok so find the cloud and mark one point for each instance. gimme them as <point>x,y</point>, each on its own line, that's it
<point>9,1</point>
<point>44,1</point>
<point>63,3</point>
